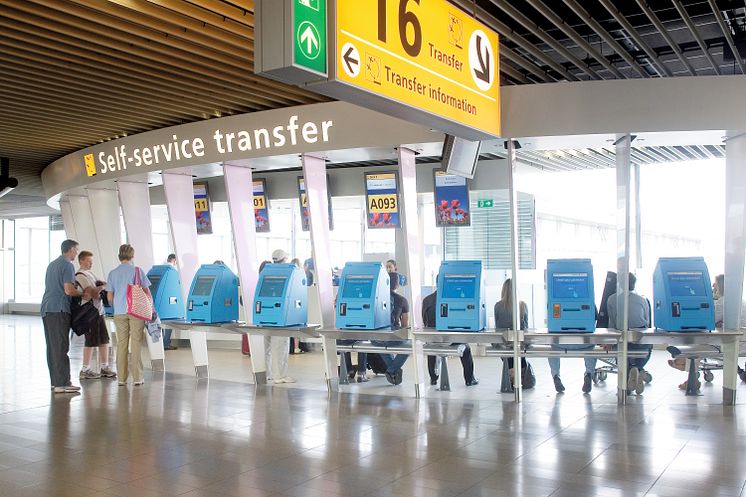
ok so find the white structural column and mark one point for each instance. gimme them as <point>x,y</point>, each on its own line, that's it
<point>735,241</point>
<point>412,251</point>
<point>623,229</point>
<point>314,174</point>
<point>515,264</point>
<point>85,231</point>
<point>177,185</point>
<point>134,198</point>
<point>68,220</point>
<point>238,181</point>
<point>104,208</point>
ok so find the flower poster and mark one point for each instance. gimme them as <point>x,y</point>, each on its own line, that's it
<point>451,200</point>
<point>202,209</point>
<point>261,207</point>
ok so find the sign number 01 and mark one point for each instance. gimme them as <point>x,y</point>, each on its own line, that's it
<point>405,18</point>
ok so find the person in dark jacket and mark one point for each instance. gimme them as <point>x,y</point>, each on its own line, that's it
<point>429,305</point>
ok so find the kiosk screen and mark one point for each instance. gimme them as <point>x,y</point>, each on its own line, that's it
<point>154,282</point>
<point>203,286</point>
<point>570,286</point>
<point>273,286</point>
<point>358,287</point>
<point>686,284</point>
<point>459,286</point>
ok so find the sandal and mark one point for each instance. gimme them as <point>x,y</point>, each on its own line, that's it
<point>676,364</point>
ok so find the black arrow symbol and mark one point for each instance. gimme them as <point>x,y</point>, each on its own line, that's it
<point>484,74</point>
<point>349,60</point>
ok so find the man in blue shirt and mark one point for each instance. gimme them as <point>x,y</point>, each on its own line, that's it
<point>55,314</point>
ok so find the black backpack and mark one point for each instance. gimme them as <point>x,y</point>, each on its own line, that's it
<point>83,317</point>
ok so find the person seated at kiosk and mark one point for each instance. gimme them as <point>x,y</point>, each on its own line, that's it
<point>504,319</point>
<point>391,268</point>
<point>277,349</point>
<point>571,309</point>
<point>399,319</point>
<point>429,307</point>
<point>638,318</point>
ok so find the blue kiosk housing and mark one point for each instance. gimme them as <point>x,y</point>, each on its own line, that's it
<point>460,297</point>
<point>165,288</point>
<point>281,296</point>
<point>570,300</point>
<point>363,299</point>
<point>682,295</point>
<point>213,297</point>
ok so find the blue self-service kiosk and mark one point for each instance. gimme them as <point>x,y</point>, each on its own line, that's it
<point>682,295</point>
<point>281,296</point>
<point>460,300</point>
<point>363,299</point>
<point>570,300</point>
<point>213,297</point>
<point>165,288</point>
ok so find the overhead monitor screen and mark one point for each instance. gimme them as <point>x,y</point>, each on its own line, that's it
<point>273,286</point>
<point>155,280</point>
<point>357,287</point>
<point>203,285</point>
<point>570,286</point>
<point>459,286</point>
<point>686,284</point>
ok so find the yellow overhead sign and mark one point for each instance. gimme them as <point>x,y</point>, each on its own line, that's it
<point>425,54</point>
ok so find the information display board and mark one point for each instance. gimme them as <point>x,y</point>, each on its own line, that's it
<point>382,200</point>
<point>424,61</point>
<point>303,199</point>
<point>261,206</point>
<point>451,199</point>
<point>202,209</point>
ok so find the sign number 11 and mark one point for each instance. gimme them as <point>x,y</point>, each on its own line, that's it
<point>405,18</point>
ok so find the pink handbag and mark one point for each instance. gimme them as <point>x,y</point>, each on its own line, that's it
<point>139,304</point>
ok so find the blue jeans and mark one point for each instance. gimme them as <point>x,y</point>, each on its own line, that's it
<point>554,362</point>
<point>362,357</point>
<point>167,337</point>
<point>393,363</point>
<point>639,362</point>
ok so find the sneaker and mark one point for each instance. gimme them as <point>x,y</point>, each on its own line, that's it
<point>173,347</point>
<point>587,383</point>
<point>122,383</point>
<point>390,378</point>
<point>473,382</point>
<point>558,384</point>
<point>108,373</point>
<point>67,389</point>
<point>286,379</point>
<point>633,379</point>
<point>88,374</point>
<point>398,377</point>
<point>433,380</point>
<point>139,382</point>
<point>362,378</point>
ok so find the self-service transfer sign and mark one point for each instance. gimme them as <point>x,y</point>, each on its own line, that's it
<point>426,55</point>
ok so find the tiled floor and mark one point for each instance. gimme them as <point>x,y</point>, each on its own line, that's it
<point>223,437</point>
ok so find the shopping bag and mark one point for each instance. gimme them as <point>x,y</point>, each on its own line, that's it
<point>139,304</point>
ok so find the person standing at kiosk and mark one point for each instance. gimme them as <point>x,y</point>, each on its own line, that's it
<point>129,328</point>
<point>277,349</point>
<point>171,260</point>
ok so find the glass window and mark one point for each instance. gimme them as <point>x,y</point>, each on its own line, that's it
<point>32,249</point>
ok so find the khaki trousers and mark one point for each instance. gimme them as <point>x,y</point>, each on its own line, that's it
<point>129,328</point>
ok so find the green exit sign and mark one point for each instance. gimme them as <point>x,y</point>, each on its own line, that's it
<point>309,34</point>
<point>485,203</point>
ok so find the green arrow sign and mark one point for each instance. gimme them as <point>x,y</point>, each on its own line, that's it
<point>309,28</point>
<point>484,203</point>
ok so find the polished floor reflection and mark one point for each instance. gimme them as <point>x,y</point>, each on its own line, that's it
<point>224,437</point>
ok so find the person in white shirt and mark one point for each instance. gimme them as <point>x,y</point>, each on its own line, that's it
<point>98,335</point>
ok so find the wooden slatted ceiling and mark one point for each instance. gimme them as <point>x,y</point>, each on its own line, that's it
<point>74,73</point>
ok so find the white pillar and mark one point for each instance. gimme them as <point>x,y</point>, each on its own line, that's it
<point>134,197</point>
<point>412,251</point>
<point>80,209</point>
<point>623,227</point>
<point>314,173</point>
<point>735,239</point>
<point>68,219</point>
<point>238,186</point>
<point>177,185</point>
